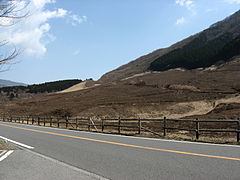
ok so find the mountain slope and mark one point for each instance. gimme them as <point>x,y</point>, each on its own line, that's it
<point>172,93</point>
<point>220,42</point>
<point>201,50</point>
<point>6,83</point>
<point>139,65</point>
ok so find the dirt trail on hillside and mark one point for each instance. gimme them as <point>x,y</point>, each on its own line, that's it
<point>185,109</point>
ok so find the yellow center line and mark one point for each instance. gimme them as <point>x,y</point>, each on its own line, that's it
<point>122,144</point>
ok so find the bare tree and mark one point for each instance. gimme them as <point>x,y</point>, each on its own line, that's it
<point>10,13</point>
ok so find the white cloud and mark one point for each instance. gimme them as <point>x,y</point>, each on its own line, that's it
<point>186,3</point>
<point>75,19</point>
<point>233,1</point>
<point>32,33</point>
<point>41,3</point>
<point>189,4</point>
<point>180,21</point>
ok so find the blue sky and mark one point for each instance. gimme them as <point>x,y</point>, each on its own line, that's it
<point>87,38</point>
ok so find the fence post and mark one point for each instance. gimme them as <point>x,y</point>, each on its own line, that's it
<point>88,124</point>
<point>66,119</point>
<point>76,123</point>
<point>197,129</point>
<point>58,122</point>
<point>50,121</point>
<point>238,130</point>
<point>44,121</point>
<point>164,126</point>
<point>119,125</point>
<point>139,126</point>
<point>102,125</point>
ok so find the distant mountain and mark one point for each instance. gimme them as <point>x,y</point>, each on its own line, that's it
<point>217,44</point>
<point>6,83</point>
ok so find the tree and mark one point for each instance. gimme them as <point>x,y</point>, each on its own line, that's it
<point>10,13</point>
<point>11,97</point>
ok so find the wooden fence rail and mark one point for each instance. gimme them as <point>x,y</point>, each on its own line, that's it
<point>138,125</point>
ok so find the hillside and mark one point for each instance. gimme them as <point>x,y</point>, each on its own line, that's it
<point>200,53</point>
<point>6,83</point>
<point>217,44</point>
<point>157,94</point>
<point>80,86</point>
<point>139,65</point>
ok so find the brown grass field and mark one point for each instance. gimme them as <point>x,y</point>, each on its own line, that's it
<point>174,93</point>
<point>211,93</point>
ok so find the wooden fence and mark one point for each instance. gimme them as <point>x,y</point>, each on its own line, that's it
<point>159,127</point>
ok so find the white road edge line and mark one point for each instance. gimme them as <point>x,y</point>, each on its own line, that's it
<point>6,155</point>
<point>133,137</point>
<point>18,143</point>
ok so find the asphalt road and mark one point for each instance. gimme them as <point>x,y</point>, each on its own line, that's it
<point>120,157</point>
<point>25,165</point>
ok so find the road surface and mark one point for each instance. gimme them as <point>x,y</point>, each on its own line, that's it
<point>25,165</point>
<point>121,157</point>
